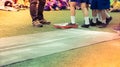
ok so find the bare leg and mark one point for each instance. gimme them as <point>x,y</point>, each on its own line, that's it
<point>85,14</point>
<point>72,11</point>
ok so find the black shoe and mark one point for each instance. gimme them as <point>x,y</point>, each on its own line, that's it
<point>36,23</point>
<point>98,22</point>
<point>108,20</point>
<point>85,25</point>
<point>103,25</point>
<point>91,23</point>
<point>44,22</point>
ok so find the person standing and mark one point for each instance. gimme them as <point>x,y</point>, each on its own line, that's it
<point>100,8</point>
<point>36,12</point>
<point>84,6</point>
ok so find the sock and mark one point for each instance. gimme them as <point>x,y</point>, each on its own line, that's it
<point>99,17</point>
<point>86,20</point>
<point>94,19</point>
<point>104,21</point>
<point>73,19</point>
<point>107,14</point>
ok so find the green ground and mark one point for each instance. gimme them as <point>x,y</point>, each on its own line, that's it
<point>19,23</point>
<point>98,55</point>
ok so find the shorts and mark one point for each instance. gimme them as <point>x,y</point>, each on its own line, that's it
<point>85,1</point>
<point>100,4</point>
<point>81,1</point>
<point>74,0</point>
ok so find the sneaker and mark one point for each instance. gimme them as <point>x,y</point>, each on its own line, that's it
<point>44,22</point>
<point>103,25</point>
<point>36,23</point>
<point>85,25</point>
<point>108,20</point>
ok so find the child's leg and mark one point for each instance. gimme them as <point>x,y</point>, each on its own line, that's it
<point>72,24</point>
<point>103,15</point>
<point>108,17</point>
<point>72,11</point>
<point>85,13</point>
<point>107,14</point>
<point>94,15</point>
<point>99,16</point>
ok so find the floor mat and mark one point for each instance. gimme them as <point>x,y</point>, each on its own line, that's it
<point>20,48</point>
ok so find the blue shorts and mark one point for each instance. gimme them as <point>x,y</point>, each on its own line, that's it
<point>90,1</point>
<point>100,4</point>
<point>74,0</point>
<point>80,1</point>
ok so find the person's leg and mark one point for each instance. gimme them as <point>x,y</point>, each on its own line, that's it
<point>33,9</point>
<point>93,21</point>
<point>103,15</point>
<point>99,16</point>
<point>40,9</point>
<point>85,14</point>
<point>107,13</point>
<point>107,9</point>
<point>72,12</point>
<point>40,15</point>
<point>103,6</point>
<point>72,24</point>
<point>33,13</point>
<point>84,9</point>
<point>94,7</point>
<point>109,18</point>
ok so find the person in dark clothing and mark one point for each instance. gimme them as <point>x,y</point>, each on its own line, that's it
<point>36,12</point>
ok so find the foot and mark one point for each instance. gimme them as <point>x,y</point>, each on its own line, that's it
<point>91,23</point>
<point>98,22</point>
<point>36,23</point>
<point>85,25</point>
<point>44,22</point>
<point>108,20</point>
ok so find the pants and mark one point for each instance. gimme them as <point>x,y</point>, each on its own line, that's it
<point>36,9</point>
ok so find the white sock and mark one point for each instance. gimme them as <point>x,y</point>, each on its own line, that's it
<point>94,19</point>
<point>107,14</point>
<point>73,19</point>
<point>99,17</point>
<point>86,20</point>
<point>104,21</point>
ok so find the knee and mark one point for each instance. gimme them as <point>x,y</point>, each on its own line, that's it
<point>84,5</point>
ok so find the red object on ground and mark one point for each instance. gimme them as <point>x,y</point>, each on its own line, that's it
<point>65,26</point>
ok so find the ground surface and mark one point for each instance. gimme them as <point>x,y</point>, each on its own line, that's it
<point>104,54</point>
